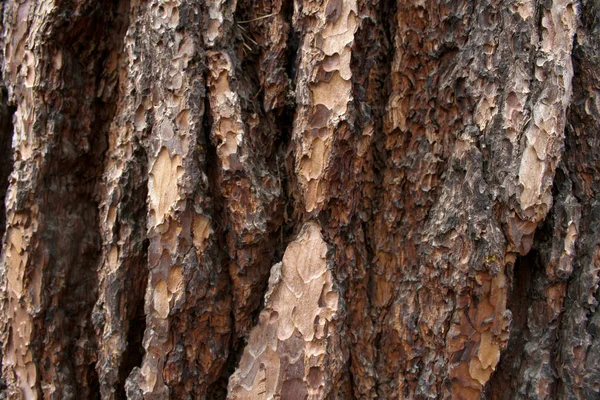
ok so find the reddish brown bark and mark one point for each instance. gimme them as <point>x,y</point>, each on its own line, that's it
<point>300,199</point>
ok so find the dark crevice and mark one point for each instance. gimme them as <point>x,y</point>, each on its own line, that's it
<point>134,353</point>
<point>284,164</point>
<point>109,25</point>
<point>284,151</point>
<point>134,207</point>
<point>6,156</point>
<point>125,290</point>
<point>526,273</point>
<point>244,52</point>
<point>387,14</point>
<point>68,201</point>
<point>218,389</point>
<point>370,65</point>
<point>383,64</point>
<point>269,141</point>
<point>292,44</point>
<point>381,157</point>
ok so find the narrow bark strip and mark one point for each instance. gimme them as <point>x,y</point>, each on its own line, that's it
<point>123,271</point>
<point>187,304</point>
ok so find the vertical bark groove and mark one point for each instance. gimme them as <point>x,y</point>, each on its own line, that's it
<point>6,156</point>
<point>579,343</point>
<point>60,136</point>
<point>187,301</point>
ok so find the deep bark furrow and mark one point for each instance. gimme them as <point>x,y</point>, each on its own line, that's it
<point>6,156</point>
<point>187,301</point>
<point>244,137</point>
<point>419,123</point>
<point>6,165</point>
<point>578,352</point>
<point>353,201</point>
<point>62,118</point>
<point>122,271</point>
<point>252,183</point>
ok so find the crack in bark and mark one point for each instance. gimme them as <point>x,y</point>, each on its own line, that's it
<point>70,125</point>
<point>218,389</point>
<point>504,384</point>
<point>6,155</point>
<point>276,121</point>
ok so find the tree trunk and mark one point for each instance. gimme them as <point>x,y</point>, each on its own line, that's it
<point>300,199</point>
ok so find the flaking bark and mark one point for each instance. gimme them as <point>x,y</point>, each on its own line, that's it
<point>300,199</point>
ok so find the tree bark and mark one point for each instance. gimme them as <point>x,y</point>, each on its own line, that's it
<point>298,199</point>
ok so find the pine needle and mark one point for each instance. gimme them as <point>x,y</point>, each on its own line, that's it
<point>255,19</point>
<point>250,39</point>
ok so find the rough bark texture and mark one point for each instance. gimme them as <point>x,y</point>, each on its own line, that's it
<point>299,199</point>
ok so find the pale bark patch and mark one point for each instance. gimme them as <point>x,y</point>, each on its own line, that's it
<point>286,351</point>
<point>163,185</point>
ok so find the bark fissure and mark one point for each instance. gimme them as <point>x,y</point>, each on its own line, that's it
<point>66,132</point>
<point>218,389</point>
<point>134,353</point>
<point>578,344</point>
<point>261,34</point>
<point>6,154</point>
<point>381,157</point>
<point>504,382</point>
<point>125,289</point>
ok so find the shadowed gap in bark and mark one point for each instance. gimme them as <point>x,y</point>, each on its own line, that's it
<point>134,353</point>
<point>285,173</point>
<point>6,165</point>
<point>503,384</point>
<point>371,66</point>
<point>218,390</point>
<point>276,122</point>
<point>293,44</point>
<point>284,156</point>
<point>70,206</point>
<point>6,157</point>
<point>387,18</point>
<point>280,159</point>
